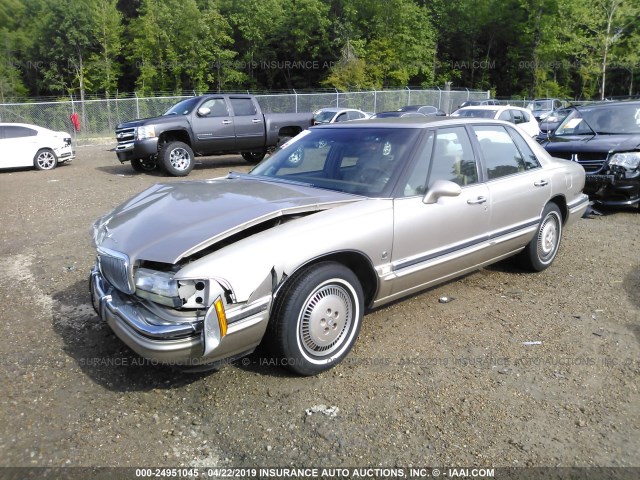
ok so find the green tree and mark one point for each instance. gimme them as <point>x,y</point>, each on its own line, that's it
<point>104,67</point>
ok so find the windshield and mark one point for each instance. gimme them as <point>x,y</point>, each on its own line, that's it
<point>183,108</point>
<point>474,113</point>
<point>324,116</point>
<point>363,161</point>
<point>609,120</point>
<point>541,105</point>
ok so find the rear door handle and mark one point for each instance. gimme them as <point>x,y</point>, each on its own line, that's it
<point>541,183</point>
<point>477,201</point>
<point>256,120</point>
<point>226,122</point>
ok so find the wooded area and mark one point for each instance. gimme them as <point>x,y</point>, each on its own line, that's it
<point>566,48</point>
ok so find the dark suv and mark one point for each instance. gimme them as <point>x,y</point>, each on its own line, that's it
<point>605,139</point>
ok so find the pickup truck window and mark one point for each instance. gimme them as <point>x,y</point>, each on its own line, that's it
<point>217,106</point>
<point>243,106</point>
<point>184,107</point>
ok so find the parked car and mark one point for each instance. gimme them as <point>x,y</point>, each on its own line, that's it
<point>205,125</point>
<point>333,115</point>
<point>542,106</point>
<point>516,115</point>
<point>343,217</point>
<point>398,114</point>
<point>428,110</point>
<point>24,145</point>
<point>605,139</point>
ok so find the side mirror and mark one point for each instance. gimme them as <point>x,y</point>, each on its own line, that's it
<point>441,188</point>
<point>204,111</point>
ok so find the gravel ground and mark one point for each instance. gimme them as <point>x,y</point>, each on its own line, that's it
<point>428,383</point>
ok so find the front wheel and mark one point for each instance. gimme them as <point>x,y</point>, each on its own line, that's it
<point>144,164</point>
<point>253,157</point>
<point>543,248</point>
<point>45,159</point>
<point>317,318</point>
<point>176,158</point>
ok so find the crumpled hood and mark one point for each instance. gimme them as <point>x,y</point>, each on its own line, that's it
<point>169,221</point>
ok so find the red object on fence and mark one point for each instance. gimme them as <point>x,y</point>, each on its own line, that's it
<point>75,120</point>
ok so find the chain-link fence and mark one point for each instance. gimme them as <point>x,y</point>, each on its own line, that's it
<point>98,118</point>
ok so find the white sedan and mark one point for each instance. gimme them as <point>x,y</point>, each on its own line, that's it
<point>522,117</point>
<point>24,145</point>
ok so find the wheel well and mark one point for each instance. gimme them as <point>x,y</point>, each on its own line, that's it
<point>174,136</point>
<point>359,264</point>
<point>561,202</point>
<point>289,132</point>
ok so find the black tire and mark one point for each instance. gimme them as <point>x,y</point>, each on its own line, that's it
<point>144,164</point>
<point>176,158</point>
<point>544,246</point>
<point>282,141</point>
<point>316,319</point>
<point>45,159</point>
<point>253,157</point>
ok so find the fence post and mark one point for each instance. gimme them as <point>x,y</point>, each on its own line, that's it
<point>375,101</point>
<point>439,98</point>
<point>137,105</point>
<point>295,96</point>
<point>408,95</point>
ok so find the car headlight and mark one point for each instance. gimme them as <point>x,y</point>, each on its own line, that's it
<point>163,288</point>
<point>629,160</point>
<point>146,131</point>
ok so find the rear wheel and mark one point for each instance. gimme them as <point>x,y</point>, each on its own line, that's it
<point>253,157</point>
<point>45,159</point>
<point>144,164</point>
<point>543,248</point>
<point>317,318</point>
<point>176,159</point>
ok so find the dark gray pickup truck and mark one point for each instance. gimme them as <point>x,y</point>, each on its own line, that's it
<point>205,125</point>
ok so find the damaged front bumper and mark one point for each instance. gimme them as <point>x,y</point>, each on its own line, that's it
<point>613,190</point>
<point>186,339</point>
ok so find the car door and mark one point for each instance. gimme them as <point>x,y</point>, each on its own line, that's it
<point>19,146</point>
<point>249,124</point>
<point>518,186</point>
<point>214,129</point>
<point>442,239</point>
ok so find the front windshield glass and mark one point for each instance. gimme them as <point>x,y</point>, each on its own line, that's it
<point>475,113</point>
<point>363,161</point>
<point>183,108</point>
<point>609,120</point>
<point>324,116</point>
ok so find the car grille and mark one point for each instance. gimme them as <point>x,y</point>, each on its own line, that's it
<point>125,135</point>
<point>591,162</point>
<point>115,268</point>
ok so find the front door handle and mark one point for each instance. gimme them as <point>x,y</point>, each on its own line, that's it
<point>226,122</point>
<point>541,183</point>
<point>477,201</point>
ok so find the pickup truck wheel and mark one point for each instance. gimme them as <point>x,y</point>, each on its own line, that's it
<point>253,157</point>
<point>176,158</point>
<point>45,159</point>
<point>144,164</point>
<point>540,252</point>
<point>317,318</point>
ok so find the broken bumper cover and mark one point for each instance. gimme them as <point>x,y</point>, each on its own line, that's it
<point>183,342</point>
<point>612,190</point>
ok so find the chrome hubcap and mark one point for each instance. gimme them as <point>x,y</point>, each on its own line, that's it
<point>326,318</point>
<point>548,237</point>
<point>179,159</point>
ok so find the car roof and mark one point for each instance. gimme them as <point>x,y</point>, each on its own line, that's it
<point>337,109</point>
<point>606,104</point>
<point>413,122</point>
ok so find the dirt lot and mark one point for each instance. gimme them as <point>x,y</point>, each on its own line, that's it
<point>428,383</point>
